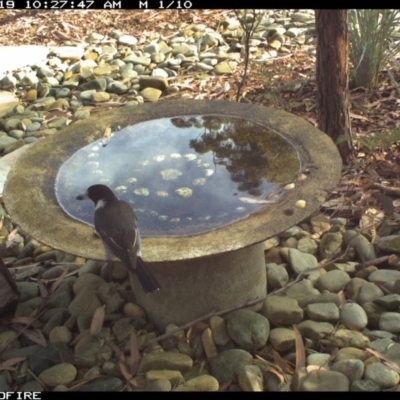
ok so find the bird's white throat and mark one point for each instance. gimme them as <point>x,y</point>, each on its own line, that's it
<point>100,204</point>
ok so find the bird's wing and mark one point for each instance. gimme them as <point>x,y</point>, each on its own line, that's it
<point>119,232</point>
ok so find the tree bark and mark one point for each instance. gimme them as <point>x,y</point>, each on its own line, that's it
<point>332,79</point>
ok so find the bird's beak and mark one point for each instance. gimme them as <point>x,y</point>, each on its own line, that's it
<point>83,197</point>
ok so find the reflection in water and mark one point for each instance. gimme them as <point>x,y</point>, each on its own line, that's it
<point>183,175</point>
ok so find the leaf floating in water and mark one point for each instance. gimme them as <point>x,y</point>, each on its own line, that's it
<point>141,191</point>
<point>274,193</point>
<point>190,156</point>
<point>159,158</point>
<point>161,193</point>
<point>132,180</point>
<point>254,201</point>
<point>184,192</point>
<point>121,189</point>
<point>199,181</point>
<point>169,174</point>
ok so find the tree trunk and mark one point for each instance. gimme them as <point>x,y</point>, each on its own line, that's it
<point>332,79</point>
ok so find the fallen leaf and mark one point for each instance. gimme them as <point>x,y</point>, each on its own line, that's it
<point>83,381</point>
<point>300,350</point>
<point>342,299</point>
<point>225,385</point>
<point>334,354</point>
<point>23,320</point>
<point>35,336</point>
<point>282,363</point>
<point>10,362</point>
<point>282,377</point>
<point>311,368</point>
<point>274,193</point>
<point>10,241</point>
<point>356,116</point>
<point>135,354</point>
<point>80,336</point>
<point>58,281</point>
<point>122,365</point>
<point>42,288</point>
<point>97,320</point>
<point>107,132</point>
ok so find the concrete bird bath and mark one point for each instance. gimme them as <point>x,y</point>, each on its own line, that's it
<point>206,181</point>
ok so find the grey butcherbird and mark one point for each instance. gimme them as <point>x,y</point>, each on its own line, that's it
<point>115,222</point>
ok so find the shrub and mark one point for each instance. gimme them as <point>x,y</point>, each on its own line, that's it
<point>370,33</point>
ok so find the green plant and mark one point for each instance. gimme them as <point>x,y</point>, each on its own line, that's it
<point>376,141</point>
<point>370,32</point>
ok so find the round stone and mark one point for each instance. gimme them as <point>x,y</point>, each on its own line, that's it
<point>251,379</point>
<point>228,364</point>
<point>384,275</point>
<point>277,276</point>
<point>282,310</point>
<point>382,375</point>
<point>364,385</point>
<point>368,293</point>
<point>353,316</point>
<point>60,374</point>
<point>353,369</point>
<point>390,322</point>
<point>202,383</point>
<point>248,329</point>
<point>60,334</point>
<point>322,380</point>
<point>315,330</point>
<point>326,312</point>
<point>333,281</point>
<point>320,359</point>
<point>282,339</point>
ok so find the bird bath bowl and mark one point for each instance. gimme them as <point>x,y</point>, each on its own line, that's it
<point>208,180</point>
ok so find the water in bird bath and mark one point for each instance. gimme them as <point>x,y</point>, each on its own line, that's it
<point>183,175</point>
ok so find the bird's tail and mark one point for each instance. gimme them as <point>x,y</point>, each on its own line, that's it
<point>146,278</point>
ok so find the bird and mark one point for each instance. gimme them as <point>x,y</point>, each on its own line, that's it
<point>116,223</point>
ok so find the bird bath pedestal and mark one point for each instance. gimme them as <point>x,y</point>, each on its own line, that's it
<point>207,181</point>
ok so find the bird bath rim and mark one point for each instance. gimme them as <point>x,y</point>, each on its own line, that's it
<point>37,211</point>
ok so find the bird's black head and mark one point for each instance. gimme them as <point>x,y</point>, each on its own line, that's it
<point>96,193</point>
